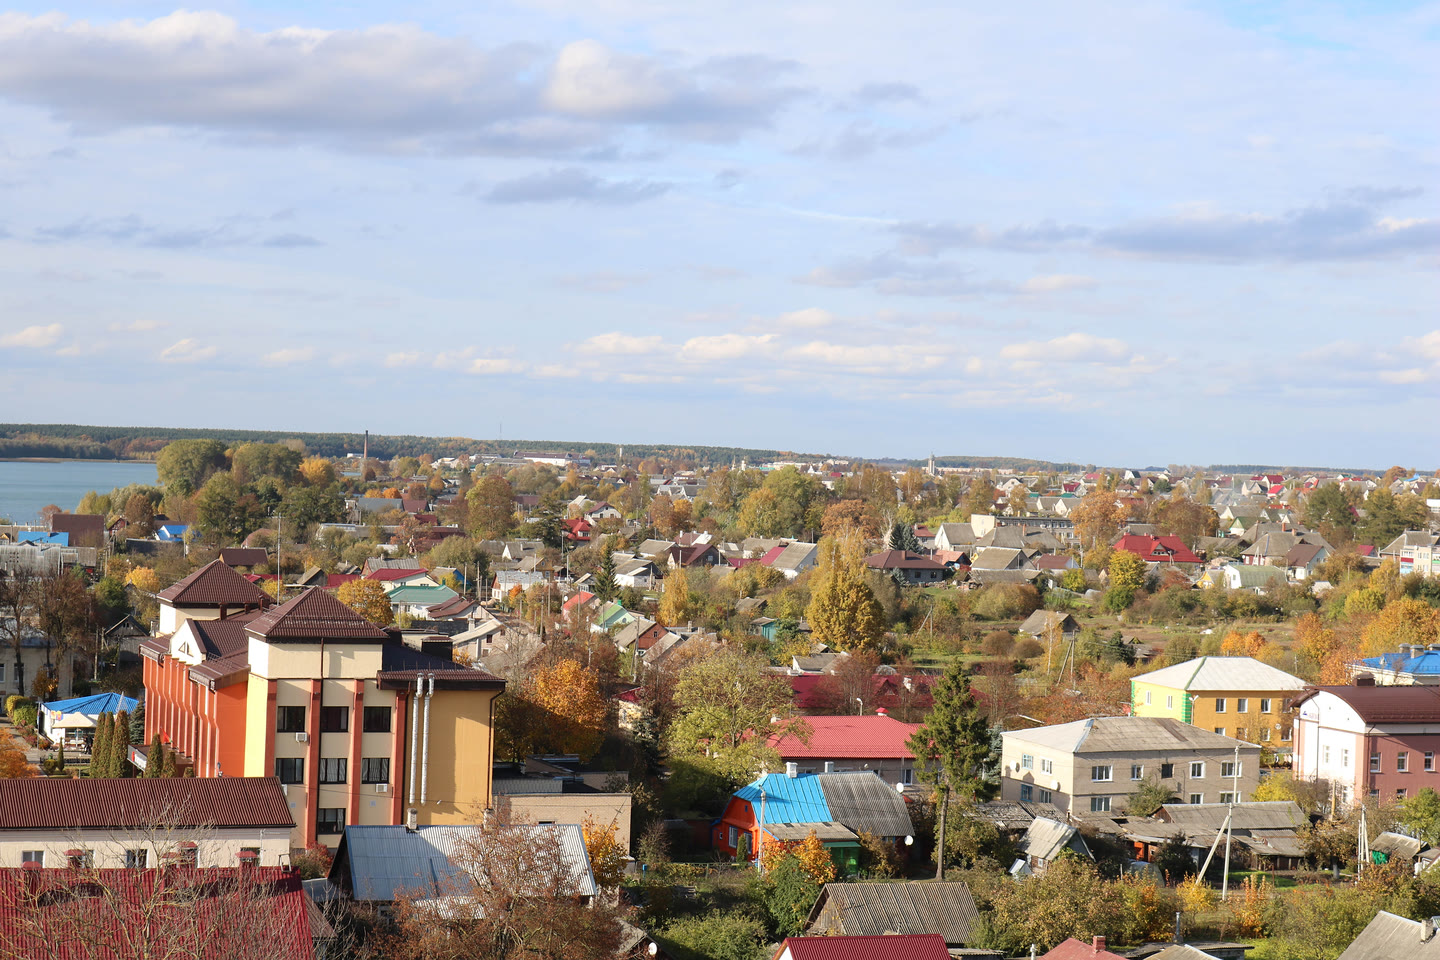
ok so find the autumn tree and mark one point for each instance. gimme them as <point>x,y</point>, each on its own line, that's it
<point>1403,621</point>
<point>139,516</point>
<point>847,515</point>
<point>13,765</point>
<point>367,598</point>
<point>574,709</point>
<point>721,699</point>
<point>184,465</point>
<point>62,611</point>
<point>843,611</point>
<point>675,603</point>
<point>1127,570</point>
<point>795,873</point>
<point>607,856</point>
<point>492,507</point>
<point>1098,517</point>
<point>1182,517</point>
<point>980,496</point>
<point>1238,644</point>
<point>954,749</point>
<point>317,472</point>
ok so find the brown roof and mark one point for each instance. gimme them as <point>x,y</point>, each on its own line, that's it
<point>1392,704</point>
<point>78,525</point>
<point>401,665</point>
<point>901,559</point>
<point>214,585</point>
<point>117,802</point>
<point>243,556</point>
<point>314,615</point>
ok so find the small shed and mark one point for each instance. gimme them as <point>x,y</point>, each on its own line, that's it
<point>66,719</point>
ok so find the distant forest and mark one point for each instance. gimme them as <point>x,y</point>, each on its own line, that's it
<point>71,441</point>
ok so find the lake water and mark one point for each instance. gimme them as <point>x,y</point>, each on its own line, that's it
<point>27,486</point>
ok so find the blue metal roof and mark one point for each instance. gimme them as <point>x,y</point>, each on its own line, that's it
<point>95,705</point>
<point>172,531</point>
<point>788,799</point>
<point>1426,663</point>
<point>40,536</point>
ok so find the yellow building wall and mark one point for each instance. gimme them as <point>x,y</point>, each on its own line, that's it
<point>257,694</point>
<point>1250,725</point>
<point>1163,701</point>
<point>462,753</point>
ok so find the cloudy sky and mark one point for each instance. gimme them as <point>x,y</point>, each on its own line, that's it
<point>1118,233</point>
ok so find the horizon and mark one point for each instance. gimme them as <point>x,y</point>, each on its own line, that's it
<point>1139,234</point>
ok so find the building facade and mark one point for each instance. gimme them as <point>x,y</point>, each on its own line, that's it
<point>1236,697</point>
<point>1369,741</point>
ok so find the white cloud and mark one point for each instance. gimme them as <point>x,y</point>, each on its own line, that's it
<point>401,359</point>
<point>620,344</point>
<point>188,350</point>
<point>877,358</point>
<point>1071,348</point>
<point>143,325</point>
<point>726,346</point>
<point>808,317</point>
<point>494,365</point>
<point>289,355</point>
<point>1056,282</point>
<point>1412,375</point>
<point>34,337</point>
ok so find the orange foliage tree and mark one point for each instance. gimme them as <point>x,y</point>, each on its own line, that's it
<point>1406,620</point>
<point>367,598</point>
<point>574,708</point>
<point>13,765</point>
<point>1238,644</point>
<point>607,857</point>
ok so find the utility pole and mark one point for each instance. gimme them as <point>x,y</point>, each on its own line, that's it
<point>1230,822</point>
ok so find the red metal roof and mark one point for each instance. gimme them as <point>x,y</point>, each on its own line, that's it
<point>243,556</point>
<point>214,585</point>
<point>215,912</point>
<point>1165,549</point>
<point>314,615</point>
<point>1073,949</point>
<point>913,946</point>
<point>121,802</point>
<point>1401,703</point>
<point>388,573</point>
<point>333,580</point>
<point>860,737</point>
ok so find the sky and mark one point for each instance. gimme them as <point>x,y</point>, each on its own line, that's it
<point>1120,233</point>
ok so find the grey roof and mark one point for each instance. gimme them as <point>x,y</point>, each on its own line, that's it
<point>1252,815</point>
<point>997,558</point>
<point>824,830</point>
<point>1045,838</point>
<point>1396,845</point>
<point>1038,622</point>
<point>1128,735</point>
<point>875,909</point>
<point>1016,814</point>
<point>862,801</point>
<point>793,556</point>
<point>1388,937</point>
<point>1182,951</point>
<point>1222,673</point>
<point>387,860</point>
<point>527,786</point>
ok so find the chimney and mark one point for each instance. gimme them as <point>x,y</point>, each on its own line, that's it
<point>829,766</point>
<point>792,770</point>
<point>1097,945</point>
<point>1427,927</point>
<point>412,820</point>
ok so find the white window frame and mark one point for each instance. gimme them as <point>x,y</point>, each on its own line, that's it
<point>1264,704</point>
<point>1402,761</point>
<point>1429,761</point>
<point>1102,773</point>
<point>1047,765</point>
<point>1197,798</point>
<point>1375,762</point>
<point>1219,704</point>
<point>33,856</point>
<point>1046,796</point>
<point>1148,701</point>
<point>1137,771</point>
<point>1227,797</point>
<point>1197,765</point>
<point>1099,804</point>
<point>1170,701</point>
<point>1242,704</point>
<point>1027,761</point>
<point>1229,770</point>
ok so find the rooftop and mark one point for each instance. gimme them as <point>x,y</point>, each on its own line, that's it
<point>1127,735</point>
<point>314,615</point>
<point>1223,673</point>
<point>860,737</point>
<point>214,585</point>
<point>121,802</point>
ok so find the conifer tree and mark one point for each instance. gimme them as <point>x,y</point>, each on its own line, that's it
<point>156,760</point>
<point>137,723</point>
<point>100,749</point>
<point>843,611</point>
<point>605,586</point>
<point>954,749</point>
<point>119,765</point>
<point>168,770</point>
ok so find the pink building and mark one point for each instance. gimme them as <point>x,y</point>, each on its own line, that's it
<point>1369,741</point>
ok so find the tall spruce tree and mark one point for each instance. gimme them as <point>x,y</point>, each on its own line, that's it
<point>954,749</point>
<point>100,748</point>
<point>902,537</point>
<point>155,760</point>
<point>168,770</point>
<point>137,723</point>
<point>605,586</point>
<point>119,765</point>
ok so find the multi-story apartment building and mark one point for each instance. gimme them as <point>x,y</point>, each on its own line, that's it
<point>1091,766</point>
<point>1368,740</point>
<point>1236,697</point>
<point>357,726</point>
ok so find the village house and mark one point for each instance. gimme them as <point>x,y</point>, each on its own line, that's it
<point>1231,696</point>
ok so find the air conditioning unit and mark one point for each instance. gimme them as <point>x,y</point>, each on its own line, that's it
<point>382,788</point>
<point>302,738</point>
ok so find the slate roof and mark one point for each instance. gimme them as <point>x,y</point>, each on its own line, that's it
<point>1250,815</point>
<point>1222,673</point>
<point>379,862</point>
<point>1045,838</point>
<point>862,801</point>
<point>214,585</point>
<point>314,615</point>
<point>1389,936</point>
<point>126,802</point>
<point>920,946</point>
<point>901,560</point>
<point>861,737</point>
<point>1130,734</point>
<point>874,909</point>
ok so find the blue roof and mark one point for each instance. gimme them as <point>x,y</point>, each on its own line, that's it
<point>788,799</point>
<point>1427,663</point>
<point>40,536</point>
<point>93,706</point>
<point>171,531</point>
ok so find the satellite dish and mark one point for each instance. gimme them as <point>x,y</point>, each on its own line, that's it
<point>909,840</point>
<point>652,949</point>
<point>899,788</point>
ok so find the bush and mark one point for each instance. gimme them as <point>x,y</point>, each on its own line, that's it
<point>1027,648</point>
<point>718,936</point>
<point>998,643</point>
<point>25,713</point>
<point>1007,601</point>
<point>1118,599</point>
<point>14,700</point>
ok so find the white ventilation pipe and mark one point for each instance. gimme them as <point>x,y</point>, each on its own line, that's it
<point>425,750</point>
<point>415,735</point>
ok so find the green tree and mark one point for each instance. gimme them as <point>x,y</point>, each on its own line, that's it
<point>186,464</point>
<point>1074,580</point>
<point>492,508</point>
<point>1150,795</point>
<point>954,749</point>
<point>119,763</point>
<point>1329,511</point>
<point>843,611</point>
<point>1421,813</point>
<point>605,587</point>
<point>224,508</point>
<point>155,760</point>
<point>902,537</point>
<point>100,746</point>
<point>137,723</point>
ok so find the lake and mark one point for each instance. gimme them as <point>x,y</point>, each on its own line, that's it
<point>26,486</point>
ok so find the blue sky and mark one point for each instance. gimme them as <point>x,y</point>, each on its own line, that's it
<point>1110,232</point>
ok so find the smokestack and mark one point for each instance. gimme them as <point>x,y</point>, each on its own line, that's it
<point>1097,945</point>
<point>412,820</point>
<point>792,770</point>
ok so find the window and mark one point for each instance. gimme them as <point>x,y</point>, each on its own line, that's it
<point>1374,793</point>
<point>1374,763</point>
<point>377,719</point>
<point>1197,770</point>
<point>734,838</point>
<point>289,719</point>
<point>1285,733</point>
<point>377,770</point>
<point>1219,704</point>
<point>186,854</point>
<point>136,859</point>
<point>1227,798</point>
<point>333,769</point>
<point>1167,770</point>
<point>2,673</point>
<point>1264,704</point>
<point>290,769</point>
<point>1147,698</point>
<point>1047,766</point>
<point>1170,702</point>
<point>80,859</point>
<point>334,719</point>
<point>906,775</point>
<point>1137,771</point>
<point>330,820</point>
<point>1402,762</point>
<point>1099,804</point>
<point>1046,796</point>
<point>1197,798</point>
<point>33,856</point>
<point>1230,769</point>
<point>1220,731</point>
<point>1027,762</point>
<point>1400,792</point>
<point>1242,705</point>
<point>1345,758</point>
<point>1264,734</point>
<point>251,853</point>
<point>1241,733</point>
<point>1026,791</point>
<point>1102,774</point>
<point>1429,761</point>
<point>1325,754</point>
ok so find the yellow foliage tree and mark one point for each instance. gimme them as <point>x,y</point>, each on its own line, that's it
<point>1406,620</point>
<point>1314,640</point>
<point>143,578</point>
<point>574,707</point>
<point>367,598</point>
<point>675,607</point>
<point>1255,894</point>
<point>1238,644</point>
<point>843,612</point>
<point>1127,570</point>
<point>814,858</point>
<point>607,857</point>
<point>317,472</point>
<point>1196,896</point>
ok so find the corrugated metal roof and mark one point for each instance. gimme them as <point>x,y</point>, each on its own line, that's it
<point>1127,735</point>
<point>43,804</point>
<point>865,737</point>
<point>213,585</point>
<point>1388,937</point>
<point>922,946</point>
<point>1403,703</point>
<point>862,801</point>
<point>1250,815</point>
<point>387,860</point>
<point>95,705</point>
<point>314,614</point>
<point>873,909</point>
<point>1223,673</point>
<point>788,799</point>
<point>1045,838</point>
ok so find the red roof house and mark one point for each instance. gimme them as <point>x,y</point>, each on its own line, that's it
<point>867,742</point>
<point>913,946</point>
<point>1167,549</point>
<point>1073,949</point>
